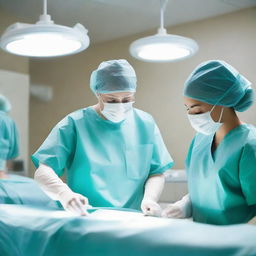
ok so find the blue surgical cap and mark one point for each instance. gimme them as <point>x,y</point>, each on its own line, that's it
<point>216,82</point>
<point>5,104</point>
<point>113,76</point>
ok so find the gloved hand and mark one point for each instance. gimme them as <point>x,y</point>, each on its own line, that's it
<point>56,189</point>
<point>74,202</point>
<point>252,221</point>
<point>180,209</point>
<point>151,208</point>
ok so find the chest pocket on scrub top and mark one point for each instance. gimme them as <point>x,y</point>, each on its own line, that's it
<point>138,158</point>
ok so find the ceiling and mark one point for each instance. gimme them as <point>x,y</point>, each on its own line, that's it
<point>111,19</point>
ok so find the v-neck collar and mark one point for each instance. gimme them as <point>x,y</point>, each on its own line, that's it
<point>214,153</point>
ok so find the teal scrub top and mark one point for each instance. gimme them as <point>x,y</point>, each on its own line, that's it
<point>222,184</point>
<point>9,145</point>
<point>106,162</point>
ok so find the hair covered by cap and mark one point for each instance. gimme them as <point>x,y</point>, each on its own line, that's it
<point>218,83</point>
<point>113,76</point>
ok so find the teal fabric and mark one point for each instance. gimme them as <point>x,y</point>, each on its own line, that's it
<point>27,231</point>
<point>216,82</point>
<point>2,165</point>
<point>5,104</point>
<point>105,161</point>
<point>22,190</point>
<point>113,76</point>
<point>222,186</point>
<point>9,141</point>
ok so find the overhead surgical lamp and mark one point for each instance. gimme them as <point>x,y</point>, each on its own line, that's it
<point>163,47</point>
<point>44,38</point>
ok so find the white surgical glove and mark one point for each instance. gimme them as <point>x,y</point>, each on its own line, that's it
<point>74,202</point>
<point>153,189</point>
<point>151,208</point>
<point>55,188</point>
<point>252,221</point>
<point>180,209</point>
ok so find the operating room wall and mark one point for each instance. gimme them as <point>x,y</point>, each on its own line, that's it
<point>14,84</point>
<point>229,37</point>
<point>8,61</point>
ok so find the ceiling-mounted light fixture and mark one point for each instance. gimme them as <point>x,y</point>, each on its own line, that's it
<point>44,38</point>
<point>163,47</point>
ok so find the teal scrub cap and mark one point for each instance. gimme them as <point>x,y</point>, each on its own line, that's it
<point>5,104</point>
<point>113,76</point>
<point>218,83</point>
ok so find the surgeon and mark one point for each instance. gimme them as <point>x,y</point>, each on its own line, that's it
<point>113,153</point>
<point>9,146</point>
<point>221,162</point>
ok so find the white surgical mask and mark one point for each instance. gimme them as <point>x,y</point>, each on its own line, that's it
<point>116,112</point>
<point>204,123</point>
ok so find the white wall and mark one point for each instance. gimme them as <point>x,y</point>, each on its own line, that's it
<point>15,86</point>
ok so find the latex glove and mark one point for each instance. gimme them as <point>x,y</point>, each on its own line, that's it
<point>252,221</point>
<point>180,209</point>
<point>153,189</point>
<point>74,202</point>
<point>56,189</point>
<point>151,208</point>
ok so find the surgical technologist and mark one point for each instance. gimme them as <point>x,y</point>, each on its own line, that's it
<point>113,153</point>
<point>221,161</point>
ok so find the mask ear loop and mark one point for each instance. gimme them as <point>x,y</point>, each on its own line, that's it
<point>222,110</point>
<point>213,108</point>
<point>100,99</point>
<point>220,113</point>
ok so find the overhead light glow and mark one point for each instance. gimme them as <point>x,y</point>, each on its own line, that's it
<point>163,47</point>
<point>44,39</point>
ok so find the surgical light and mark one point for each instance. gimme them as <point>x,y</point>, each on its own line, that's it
<point>163,47</point>
<point>44,38</point>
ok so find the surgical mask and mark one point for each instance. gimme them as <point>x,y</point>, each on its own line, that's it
<point>204,123</point>
<point>117,112</point>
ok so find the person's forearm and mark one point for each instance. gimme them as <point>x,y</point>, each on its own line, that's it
<point>55,188</point>
<point>179,209</point>
<point>186,199</point>
<point>186,203</point>
<point>252,221</point>
<point>154,187</point>
<point>52,185</point>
